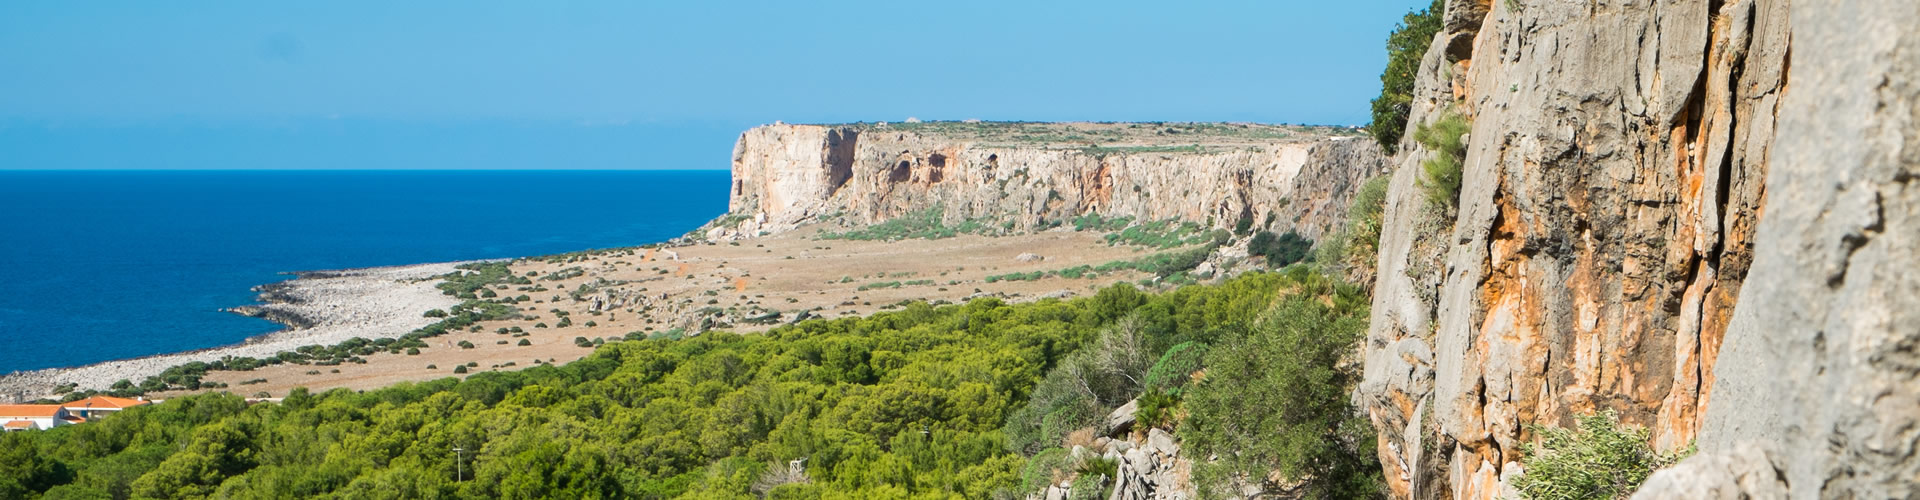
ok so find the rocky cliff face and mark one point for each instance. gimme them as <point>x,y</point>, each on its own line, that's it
<point>1027,175</point>
<point>1612,183</point>
<point>1817,394</point>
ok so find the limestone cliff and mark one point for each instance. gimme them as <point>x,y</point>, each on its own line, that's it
<point>1031,174</point>
<point>1605,224</point>
<point>1817,393</point>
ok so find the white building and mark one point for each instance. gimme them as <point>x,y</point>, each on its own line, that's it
<point>23,417</point>
<point>99,406</point>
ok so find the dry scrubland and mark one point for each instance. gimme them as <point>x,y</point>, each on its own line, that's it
<point>649,291</point>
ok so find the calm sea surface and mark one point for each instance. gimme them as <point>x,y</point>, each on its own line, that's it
<point>106,265</point>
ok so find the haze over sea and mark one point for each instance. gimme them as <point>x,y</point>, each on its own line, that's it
<point>102,265</point>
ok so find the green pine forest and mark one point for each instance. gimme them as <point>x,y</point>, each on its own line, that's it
<point>925,402</point>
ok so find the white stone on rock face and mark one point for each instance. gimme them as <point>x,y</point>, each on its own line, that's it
<point>1028,257</point>
<point>1139,460</point>
<point>1078,452</point>
<point>1746,471</point>
<point>1160,441</point>
<point>1121,420</point>
<point>1122,445</point>
<point>1204,270</point>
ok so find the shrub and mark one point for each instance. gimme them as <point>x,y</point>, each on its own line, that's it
<point>1044,467</point>
<point>1282,250</point>
<point>1093,481</point>
<point>1598,459</point>
<point>1176,367</point>
<point>1157,408</point>
<point>1275,398</point>
<point>1405,47</point>
<point>1440,174</point>
<point>413,351</point>
<point>525,342</point>
<point>465,344</point>
<point>460,369</point>
<point>436,313</point>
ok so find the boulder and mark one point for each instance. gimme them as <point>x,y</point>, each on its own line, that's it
<point>1120,421</point>
<point>1161,442</point>
<point>1747,471</point>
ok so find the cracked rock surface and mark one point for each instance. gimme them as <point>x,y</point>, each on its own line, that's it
<point>1821,365</point>
<point>1613,178</point>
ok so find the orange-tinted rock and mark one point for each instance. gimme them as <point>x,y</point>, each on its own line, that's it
<point>1611,186</point>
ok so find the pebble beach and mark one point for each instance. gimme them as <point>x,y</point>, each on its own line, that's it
<point>320,307</point>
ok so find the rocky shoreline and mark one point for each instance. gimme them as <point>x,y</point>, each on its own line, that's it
<point>318,307</point>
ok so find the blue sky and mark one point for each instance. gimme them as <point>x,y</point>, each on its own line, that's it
<point>444,84</point>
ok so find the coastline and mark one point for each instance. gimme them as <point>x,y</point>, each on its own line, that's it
<point>317,307</point>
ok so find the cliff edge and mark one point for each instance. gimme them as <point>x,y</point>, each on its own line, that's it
<point>1027,175</point>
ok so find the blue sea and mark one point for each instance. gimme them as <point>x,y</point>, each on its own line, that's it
<point>101,265</point>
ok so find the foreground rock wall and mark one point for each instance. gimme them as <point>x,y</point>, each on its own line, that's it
<point>1613,179</point>
<point>788,175</point>
<point>1818,388</point>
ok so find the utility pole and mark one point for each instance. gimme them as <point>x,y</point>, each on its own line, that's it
<point>459,473</point>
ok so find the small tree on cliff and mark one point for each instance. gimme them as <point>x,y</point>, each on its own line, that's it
<point>1405,47</point>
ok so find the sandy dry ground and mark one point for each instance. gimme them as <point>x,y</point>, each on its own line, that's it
<point>373,302</point>
<point>653,292</point>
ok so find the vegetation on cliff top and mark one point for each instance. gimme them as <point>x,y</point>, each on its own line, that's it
<point>1405,47</point>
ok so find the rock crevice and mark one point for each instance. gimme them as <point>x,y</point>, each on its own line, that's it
<point>1611,185</point>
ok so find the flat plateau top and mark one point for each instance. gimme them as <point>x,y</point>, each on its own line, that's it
<point>1119,135</point>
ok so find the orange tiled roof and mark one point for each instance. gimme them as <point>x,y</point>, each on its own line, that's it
<point>36,411</point>
<point>103,402</point>
<point>19,424</point>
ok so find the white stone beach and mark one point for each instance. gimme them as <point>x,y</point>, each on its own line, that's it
<point>328,306</point>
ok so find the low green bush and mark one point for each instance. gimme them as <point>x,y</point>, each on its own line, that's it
<point>1597,459</point>
<point>1176,367</point>
<point>1440,174</point>
<point>1358,242</point>
<point>1157,409</point>
<point>1280,251</point>
<point>1044,467</point>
